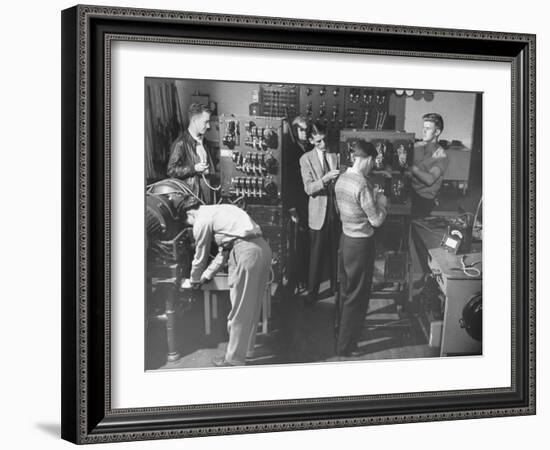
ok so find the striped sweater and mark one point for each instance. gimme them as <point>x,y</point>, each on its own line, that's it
<point>359,211</point>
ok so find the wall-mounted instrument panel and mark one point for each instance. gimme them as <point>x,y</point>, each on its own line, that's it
<point>251,158</point>
<point>336,107</point>
<point>340,107</point>
<point>324,104</point>
<point>252,172</point>
<point>279,100</point>
<point>367,109</point>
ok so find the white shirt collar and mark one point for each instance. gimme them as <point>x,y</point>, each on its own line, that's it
<point>197,138</point>
<point>321,158</point>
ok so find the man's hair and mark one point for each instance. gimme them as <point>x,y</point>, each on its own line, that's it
<point>187,203</point>
<point>196,109</point>
<point>435,118</point>
<point>363,149</point>
<point>318,128</point>
<point>302,119</point>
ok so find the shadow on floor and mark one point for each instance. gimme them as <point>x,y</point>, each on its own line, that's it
<point>298,333</point>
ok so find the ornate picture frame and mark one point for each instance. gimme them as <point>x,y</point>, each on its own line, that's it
<point>88,415</point>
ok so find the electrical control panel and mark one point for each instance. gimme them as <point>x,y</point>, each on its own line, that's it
<point>367,109</point>
<point>272,222</point>
<point>395,154</point>
<point>252,174</point>
<point>336,107</point>
<point>324,104</point>
<point>251,158</point>
<point>279,100</point>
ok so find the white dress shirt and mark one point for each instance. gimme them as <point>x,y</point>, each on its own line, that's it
<point>321,155</point>
<point>224,224</point>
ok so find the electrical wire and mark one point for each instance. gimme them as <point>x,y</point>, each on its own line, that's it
<point>212,188</point>
<point>470,270</point>
<point>238,199</point>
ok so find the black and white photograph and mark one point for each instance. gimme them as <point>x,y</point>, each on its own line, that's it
<point>306,223</point>
<point>277,224</point>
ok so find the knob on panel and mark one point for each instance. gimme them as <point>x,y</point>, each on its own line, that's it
<point>271,164</point>
<point>271,189</point>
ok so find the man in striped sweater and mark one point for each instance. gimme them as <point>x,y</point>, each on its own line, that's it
<point>361,209</point>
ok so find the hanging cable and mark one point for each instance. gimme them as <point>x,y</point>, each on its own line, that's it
<point>212,188</point>
<point>238,199</point>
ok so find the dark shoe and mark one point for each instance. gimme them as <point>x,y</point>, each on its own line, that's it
<point>258,355</point>
<point>219,361</point>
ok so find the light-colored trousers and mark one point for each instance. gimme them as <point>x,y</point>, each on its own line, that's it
<point>249,264</point>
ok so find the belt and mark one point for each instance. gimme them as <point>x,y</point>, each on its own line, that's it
<point>247,238</point>
<point>230,244</point>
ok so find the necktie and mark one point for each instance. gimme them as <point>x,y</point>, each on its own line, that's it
<point>330,188</point>
<point>325,164</point>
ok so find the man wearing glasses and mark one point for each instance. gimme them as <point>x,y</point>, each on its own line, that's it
<point>297,201</point>
<point>319,172</point>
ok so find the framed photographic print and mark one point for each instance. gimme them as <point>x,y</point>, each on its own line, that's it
<point>281,224</point>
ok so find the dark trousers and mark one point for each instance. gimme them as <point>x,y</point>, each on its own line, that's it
<point>420,206</point>
<point>323,253</point>
<point>356,258</point>
<point>299,256</point>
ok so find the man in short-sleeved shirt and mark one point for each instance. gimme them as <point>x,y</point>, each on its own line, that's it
<point>430,164</point>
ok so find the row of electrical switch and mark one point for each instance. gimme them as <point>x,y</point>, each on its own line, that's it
<point>257,187</point>
<point>255,163</point>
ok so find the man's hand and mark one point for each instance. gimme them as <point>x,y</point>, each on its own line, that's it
<point>293,215</point>
<point>331,175</point>
<point>204,280</point>
<point>201,167</point>
<point>188,284</point>
<point>377,191</point>
<point>382,200</point>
